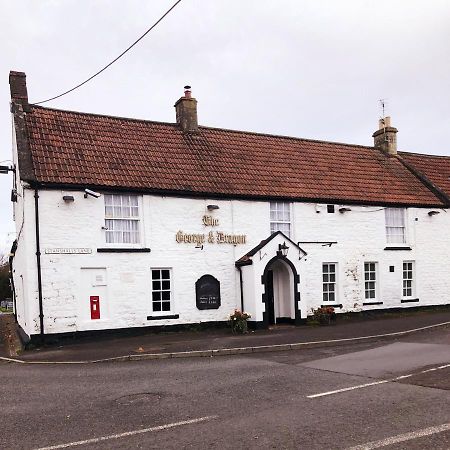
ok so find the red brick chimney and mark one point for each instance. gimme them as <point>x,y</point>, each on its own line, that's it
<point>18,88</point>
<point>186,110</point>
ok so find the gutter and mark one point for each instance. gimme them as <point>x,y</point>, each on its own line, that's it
<point>219,196</point>
<point>38,262</point>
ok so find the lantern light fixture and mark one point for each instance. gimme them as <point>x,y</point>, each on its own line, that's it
<point>283,249</point>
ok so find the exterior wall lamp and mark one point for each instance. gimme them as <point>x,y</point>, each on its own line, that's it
<point>344,209</point>
<point>283,249</point>
<point>433,213</point>
<point>68,198</point>
<point>212,207</point>
<point>5,169</point>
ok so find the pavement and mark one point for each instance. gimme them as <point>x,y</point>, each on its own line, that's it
<point>215,342</point>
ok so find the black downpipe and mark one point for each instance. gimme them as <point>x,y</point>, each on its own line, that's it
<point>38,261</point>
<point>11,276</point>
<point>242,286</point>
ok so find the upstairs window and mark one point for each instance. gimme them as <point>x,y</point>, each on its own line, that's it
<point>280,217</point>
<point>395,225</point>
<point>122,219</point>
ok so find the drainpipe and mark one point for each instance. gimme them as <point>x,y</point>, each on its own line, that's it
<point>242,290</point>
<point>38,261</point>
<point>11,276</point>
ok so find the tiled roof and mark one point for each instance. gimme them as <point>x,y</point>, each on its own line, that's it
<point>73,148</point>
<point>435,168</point>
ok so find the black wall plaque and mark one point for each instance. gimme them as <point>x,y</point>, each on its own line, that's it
<point>207,292</point>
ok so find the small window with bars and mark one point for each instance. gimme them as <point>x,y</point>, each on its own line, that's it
<point>161,290</point>
<point>280,217</point>
<point>408,279</point>
<point>370,280</point>
<point>329,293</point>
<point>122,219</point>
<point>395,225</point>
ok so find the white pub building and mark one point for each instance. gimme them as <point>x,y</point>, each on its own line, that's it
<point>132,223</point>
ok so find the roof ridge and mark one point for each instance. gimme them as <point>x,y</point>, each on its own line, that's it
<point>205,127</point>
<point>424,154</point>
<point>82,113</point>
<point>294,138</point>
<point>437,191</point>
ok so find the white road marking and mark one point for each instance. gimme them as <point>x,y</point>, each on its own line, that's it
<point>129,433</point>
<point>403,437</point>
<point>390,380</point>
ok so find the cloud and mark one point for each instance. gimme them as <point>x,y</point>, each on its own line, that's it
<point>309,69</point>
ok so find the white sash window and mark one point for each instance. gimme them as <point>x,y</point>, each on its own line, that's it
<point>280,217</point>
<point>122,219</point>
<point>329,282</point>
<point>370,281</point>
<point>395,225</point>
<point>408,279</point>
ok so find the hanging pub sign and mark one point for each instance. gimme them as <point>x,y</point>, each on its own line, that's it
<point>207,292</point>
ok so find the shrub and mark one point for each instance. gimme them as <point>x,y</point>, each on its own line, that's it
<point>238,321</point>
<point>324,315</point>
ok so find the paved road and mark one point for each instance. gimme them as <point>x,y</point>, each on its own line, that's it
<point>262,400</point>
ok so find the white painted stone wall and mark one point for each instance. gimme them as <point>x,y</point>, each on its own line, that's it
<point>360,236</point>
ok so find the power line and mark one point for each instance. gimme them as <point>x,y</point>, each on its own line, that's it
<point>114,60</point>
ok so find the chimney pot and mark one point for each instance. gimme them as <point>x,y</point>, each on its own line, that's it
<point>384,122</point>
<point>186,112</point>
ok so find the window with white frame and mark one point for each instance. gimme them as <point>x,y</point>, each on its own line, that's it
<point>280,217</point>
<point>122,219</point>
<point>408,279</point>
<point>395,225</point>
<point>161,290</point>
<point>370,280</point>
<point>329,292</point>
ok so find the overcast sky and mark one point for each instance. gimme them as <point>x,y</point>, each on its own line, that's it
<point>313,69</point>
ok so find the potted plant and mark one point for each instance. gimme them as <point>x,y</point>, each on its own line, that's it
<point>238,321</point>
<point>324,315</point>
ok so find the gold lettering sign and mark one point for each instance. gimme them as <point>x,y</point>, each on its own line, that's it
<point>212,237</point>
<point>224,238</point>
<point>192,238</point>
<point>210,221</point>
<point>217,237</point>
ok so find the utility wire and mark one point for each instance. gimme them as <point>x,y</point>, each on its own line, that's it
<point>114,60</point>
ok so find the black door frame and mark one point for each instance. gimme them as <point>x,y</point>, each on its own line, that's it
<point>270,303</point>
<point>298,317</point>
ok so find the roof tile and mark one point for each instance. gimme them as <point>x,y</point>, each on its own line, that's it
<point>110,152</point>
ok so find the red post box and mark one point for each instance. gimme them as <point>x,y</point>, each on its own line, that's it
<point>95,307</point>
